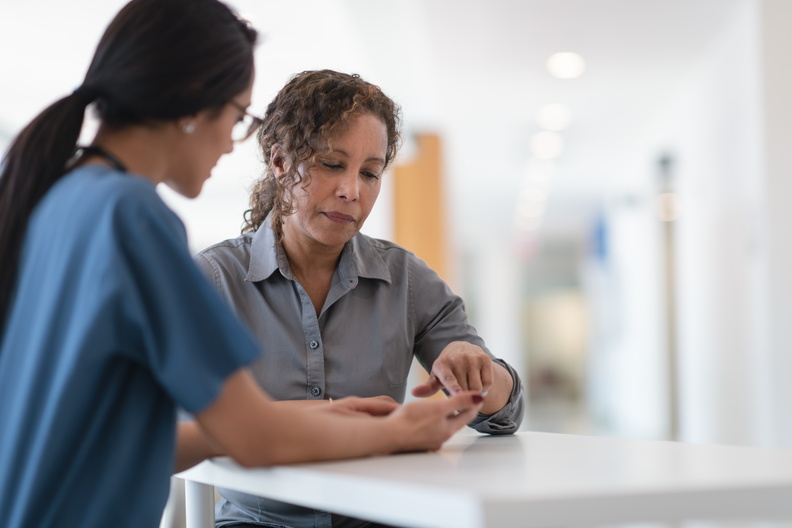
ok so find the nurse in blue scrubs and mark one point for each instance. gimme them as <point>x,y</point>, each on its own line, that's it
<point>107,325</point>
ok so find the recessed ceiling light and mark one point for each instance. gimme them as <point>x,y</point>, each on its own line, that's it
<point>566,65</point>
<point>547,145</point>
<point>524,223</point>
<point>554,117</point>
<point>533,195</point>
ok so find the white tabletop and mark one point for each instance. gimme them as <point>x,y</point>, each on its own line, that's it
<point>531,479</point>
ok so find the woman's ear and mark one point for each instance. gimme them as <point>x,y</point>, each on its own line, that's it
<point>188,124</point>
<point>278,161</point>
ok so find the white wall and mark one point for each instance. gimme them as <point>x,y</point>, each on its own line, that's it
<point>729,131</point>
<point>627,385</point>
<point>776,219</point>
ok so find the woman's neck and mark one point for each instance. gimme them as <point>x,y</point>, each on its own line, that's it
<point>313,268</point>
<point>140,149</point>
<point>307,258</point>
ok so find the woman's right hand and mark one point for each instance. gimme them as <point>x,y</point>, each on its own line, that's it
<point>426,424</point>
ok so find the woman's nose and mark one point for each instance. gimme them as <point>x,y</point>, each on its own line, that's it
<point>348,186</point>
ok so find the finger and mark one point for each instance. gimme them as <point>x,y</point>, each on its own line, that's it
<point>462,401</point>
<point>487,375</point>
<point>480,374</point>
<point>464,417</point>
<point>372,406</point>
<point>424,390</point>
<point>474,382</point>
<point>465,405</point>
<point>379,407</point>
<point>343,410</point>
<point>451,383</point>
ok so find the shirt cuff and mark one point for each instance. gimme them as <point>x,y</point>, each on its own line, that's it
<point>508,419</point>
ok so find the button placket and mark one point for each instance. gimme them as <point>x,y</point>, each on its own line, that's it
<point>314,355</point>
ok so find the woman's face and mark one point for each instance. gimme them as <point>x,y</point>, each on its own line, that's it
<point>344,185</point>
<point>203,147</point>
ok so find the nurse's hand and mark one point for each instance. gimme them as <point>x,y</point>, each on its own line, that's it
<point>351,405</point>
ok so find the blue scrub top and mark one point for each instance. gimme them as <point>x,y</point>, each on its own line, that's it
<point>111,327</point>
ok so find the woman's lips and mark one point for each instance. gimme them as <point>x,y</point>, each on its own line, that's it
<point>340,218</point>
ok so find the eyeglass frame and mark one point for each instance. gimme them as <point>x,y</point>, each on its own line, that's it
<point>254,124</point>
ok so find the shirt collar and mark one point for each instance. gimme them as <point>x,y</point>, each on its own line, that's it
<point>264,253</point>
<point>359,258</point>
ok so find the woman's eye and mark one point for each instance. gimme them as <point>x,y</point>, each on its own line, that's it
<point>371,175</point>
<point>333,166</point>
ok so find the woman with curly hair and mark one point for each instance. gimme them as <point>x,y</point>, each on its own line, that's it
<point>341,313</point>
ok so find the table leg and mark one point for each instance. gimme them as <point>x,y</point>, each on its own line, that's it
<point>173,515</point>
<point>198,505</point>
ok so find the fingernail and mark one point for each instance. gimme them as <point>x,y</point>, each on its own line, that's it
<point>477,398</point>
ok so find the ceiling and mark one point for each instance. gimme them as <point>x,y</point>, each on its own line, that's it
<point>472,71</point>
<point>475,72</point>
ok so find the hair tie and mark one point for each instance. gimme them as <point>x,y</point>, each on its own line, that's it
<point>85,94</point>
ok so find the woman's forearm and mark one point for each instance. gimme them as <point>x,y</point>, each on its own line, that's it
<point>192,446</point>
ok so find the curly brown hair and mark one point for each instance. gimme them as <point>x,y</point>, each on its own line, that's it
<point>309,112</point>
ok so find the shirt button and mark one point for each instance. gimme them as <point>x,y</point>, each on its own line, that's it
<point>314,343</point>
<point>316,391</point>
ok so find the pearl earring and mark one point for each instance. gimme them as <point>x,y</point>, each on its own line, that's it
<point>189,128</point>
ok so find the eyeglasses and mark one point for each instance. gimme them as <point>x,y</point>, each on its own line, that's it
<point>245,127</point>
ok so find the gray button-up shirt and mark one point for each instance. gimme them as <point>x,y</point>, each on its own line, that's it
<point>385,306</point>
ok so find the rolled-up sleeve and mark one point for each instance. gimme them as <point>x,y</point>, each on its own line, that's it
<point>508,419</point>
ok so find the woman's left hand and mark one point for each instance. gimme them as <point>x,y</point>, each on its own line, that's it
<point>463,366</point>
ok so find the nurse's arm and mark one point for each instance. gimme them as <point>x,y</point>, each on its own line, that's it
<point>244,423</point>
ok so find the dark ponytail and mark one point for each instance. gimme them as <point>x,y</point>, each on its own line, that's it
<point>34,162</point>
<point>158,60</point>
